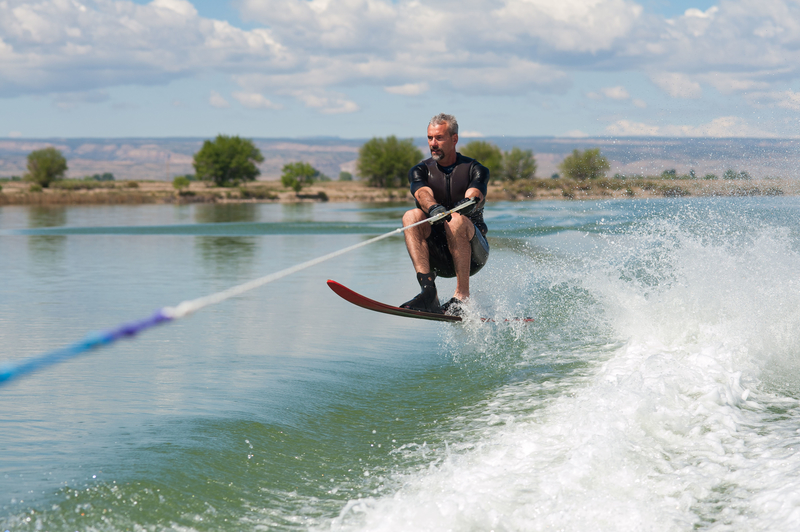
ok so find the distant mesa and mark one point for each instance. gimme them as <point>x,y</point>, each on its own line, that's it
<point>165,158</point>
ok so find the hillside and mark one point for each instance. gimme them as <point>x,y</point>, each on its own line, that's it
<point>164,158</point>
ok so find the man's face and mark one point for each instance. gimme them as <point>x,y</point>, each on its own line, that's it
<point>441,142</point>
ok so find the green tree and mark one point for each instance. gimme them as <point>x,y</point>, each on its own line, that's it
<point>45,166</point>
<point>181,182</point>
<point>386,162</point>
<point>227,160</point>
<point>345,176</point>
<point>518,164</point>
<point>295,175</point>
<point>487,154</point>
<point>731,174</point>
<point>587,164</point>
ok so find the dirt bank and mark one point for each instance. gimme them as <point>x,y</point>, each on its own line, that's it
<point>139,192</point>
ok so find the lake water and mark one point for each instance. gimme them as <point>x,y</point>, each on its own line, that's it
<point>657,389</point>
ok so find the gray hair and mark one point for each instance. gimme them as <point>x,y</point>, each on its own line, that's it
<point>450,120</point>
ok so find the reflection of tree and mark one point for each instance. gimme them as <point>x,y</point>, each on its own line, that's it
<point>297,212</point>
<point>227,254</point>
<point>40,216</point>
<point>46,248</point>
<point>226,212</point>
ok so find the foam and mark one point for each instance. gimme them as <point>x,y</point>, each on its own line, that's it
<point>678,411</point>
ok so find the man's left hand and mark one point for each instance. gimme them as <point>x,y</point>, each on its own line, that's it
<point>467,210</point>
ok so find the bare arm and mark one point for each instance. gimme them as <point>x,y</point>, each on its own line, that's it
<point>474,193</point>
<point>425,199</point>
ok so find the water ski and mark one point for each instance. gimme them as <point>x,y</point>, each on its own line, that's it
<point>370,304</point>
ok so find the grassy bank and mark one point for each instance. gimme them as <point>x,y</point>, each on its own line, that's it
<point>140,192</point>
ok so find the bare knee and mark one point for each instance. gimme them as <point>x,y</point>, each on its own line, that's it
<point>460,227</point>
<point>413,216</point>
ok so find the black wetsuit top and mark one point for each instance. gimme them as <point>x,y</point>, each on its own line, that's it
<point>450,184</point>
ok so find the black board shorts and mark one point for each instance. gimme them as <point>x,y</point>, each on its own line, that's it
<point>442,261</point>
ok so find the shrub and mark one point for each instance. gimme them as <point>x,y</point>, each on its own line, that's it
<point>260,193</point>
<point>386,162</point>
<point>518,164</point>
<point>45,166</point>
<point>485,153</point>
<point>587,164</point>
<point>227,160</point>
<point>669,174</point>
<point>296,175</point>
<point>180,183</point>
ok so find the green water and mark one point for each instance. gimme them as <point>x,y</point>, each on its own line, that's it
<point>286,408</point>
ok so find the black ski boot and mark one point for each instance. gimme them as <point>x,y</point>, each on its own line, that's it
<point>427,300</point>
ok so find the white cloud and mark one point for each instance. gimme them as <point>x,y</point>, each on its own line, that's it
<point>14,134</point>
<point>408,89</point>
<point>327,103</point>
<point>619,93</point>
<point>254,100</point>
<point>696,13</point>
<point>216,100</point>
<point>318,51</point>
<point>616,93</point>
<point>677,85</point>
<point>780,99</point>
<point>726,126</point>
<point>626,128</point>
<point>182,7</point>
<point>470,134</point>
<point>566,25</point>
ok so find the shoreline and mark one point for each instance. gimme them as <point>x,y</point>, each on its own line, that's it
<point>154,192</point>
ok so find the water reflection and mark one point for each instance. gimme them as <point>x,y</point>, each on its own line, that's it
<point>226,213</point>
<point>297,212</point>
<point>46,249</point>
<point>227,254</point>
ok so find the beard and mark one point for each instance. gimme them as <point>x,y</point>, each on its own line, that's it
<point>437,155</point>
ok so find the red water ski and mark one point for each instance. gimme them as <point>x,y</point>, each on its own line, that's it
<point>370,304</point>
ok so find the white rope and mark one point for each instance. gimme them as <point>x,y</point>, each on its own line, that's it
<point>187,307</point>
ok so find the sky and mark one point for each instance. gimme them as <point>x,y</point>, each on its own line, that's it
<point>364,68</point>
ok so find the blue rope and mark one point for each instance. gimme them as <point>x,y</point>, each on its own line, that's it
<point>91,341</point>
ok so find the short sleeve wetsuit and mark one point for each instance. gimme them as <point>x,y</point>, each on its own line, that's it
<point>449,186</point>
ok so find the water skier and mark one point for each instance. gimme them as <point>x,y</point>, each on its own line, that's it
<point>454,246</point>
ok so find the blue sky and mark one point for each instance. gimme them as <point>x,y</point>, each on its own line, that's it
<point>363,68</point>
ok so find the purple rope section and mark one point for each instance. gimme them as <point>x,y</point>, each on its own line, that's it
<point>91,341</point>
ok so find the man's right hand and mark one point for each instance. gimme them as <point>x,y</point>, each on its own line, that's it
<point>437,210</point>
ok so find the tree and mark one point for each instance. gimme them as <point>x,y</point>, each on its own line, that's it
<point>45,166</point>
<point>295,175</point>
<point>518,164</point>
<point>487,154</point>
<point>227,160</point>
<point>181,182</point>
<point>386,162</point>
<point>345,176</point>
<point>587,164</point>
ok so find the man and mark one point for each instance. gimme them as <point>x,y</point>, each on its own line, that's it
<point>454,246</point>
